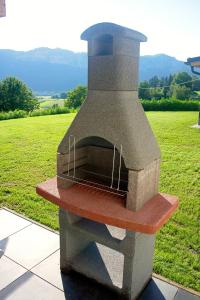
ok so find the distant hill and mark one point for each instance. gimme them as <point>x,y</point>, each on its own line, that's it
<point>49,71</point>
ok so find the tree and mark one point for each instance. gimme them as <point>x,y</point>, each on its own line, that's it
<point>63,95</point>
<point>154,82</point>
<point>181,86</point>
<point>166,92</point>
<point>76,97</point>
<point>14,94</point>
<point>181,92</point>
<point>144,91</point>
<point>196,84</point>
<point>156,93</point>
<point>183,78</point>
<point>170,79</point>
<point>55,97</point>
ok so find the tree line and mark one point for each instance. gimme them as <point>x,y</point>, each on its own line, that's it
<point>14,94</point>
<point>180,86</point>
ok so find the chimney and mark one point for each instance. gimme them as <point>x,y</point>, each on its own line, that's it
<point>112,117</point>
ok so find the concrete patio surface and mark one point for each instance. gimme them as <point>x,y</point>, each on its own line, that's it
<point>29,268</point>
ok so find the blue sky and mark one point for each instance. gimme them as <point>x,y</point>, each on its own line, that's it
<point>172,26</point>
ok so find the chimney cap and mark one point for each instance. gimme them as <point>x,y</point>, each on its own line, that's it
<point>115,30</point>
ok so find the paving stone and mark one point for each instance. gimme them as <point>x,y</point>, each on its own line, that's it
<point>49,269</point>
<point>184,295</point>
<point>10,223</point>
<point>31,245</point>
<point>31,287</point>
<point>9,271</point>
<point>79,287</point>
<point>159,290</point>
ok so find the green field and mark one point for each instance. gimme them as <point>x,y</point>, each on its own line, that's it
<point>28,156</point>
<point>49,103</point>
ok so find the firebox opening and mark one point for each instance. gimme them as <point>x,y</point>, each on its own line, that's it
<point>95,160</point>
<point>104,45</point>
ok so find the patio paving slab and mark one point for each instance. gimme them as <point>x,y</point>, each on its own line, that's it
<point>49,269</point>
<point>31,245</point>
<point>184,295</point>
<point>31,287</point>
<point>9,271</point>
<point>159,290</point>
<point>11,223</point>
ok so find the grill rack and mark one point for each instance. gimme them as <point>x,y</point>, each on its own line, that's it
<point>96,185</point>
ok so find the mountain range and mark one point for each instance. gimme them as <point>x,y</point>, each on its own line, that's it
<point>48,71</point>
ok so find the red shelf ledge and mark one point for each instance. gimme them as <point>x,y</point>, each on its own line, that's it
<point>107,208</point>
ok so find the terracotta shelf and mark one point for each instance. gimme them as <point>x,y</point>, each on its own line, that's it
<point>104,207</point>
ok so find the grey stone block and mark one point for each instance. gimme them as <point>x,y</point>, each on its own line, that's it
<point>138,265</point>
<point>71,244</point>
<point>99,232</point>
<point>101,264</point>
<point>142,185</point>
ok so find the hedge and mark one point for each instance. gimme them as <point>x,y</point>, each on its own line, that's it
<point>15,114</point>
<point>148,105</point>
<point>171,105</point>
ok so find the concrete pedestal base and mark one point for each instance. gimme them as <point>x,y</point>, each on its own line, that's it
<point>112,256</point>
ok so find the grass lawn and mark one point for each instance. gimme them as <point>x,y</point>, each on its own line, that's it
<point>28,156</point>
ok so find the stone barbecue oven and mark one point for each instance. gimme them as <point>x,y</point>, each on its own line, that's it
<point>108,168</point>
